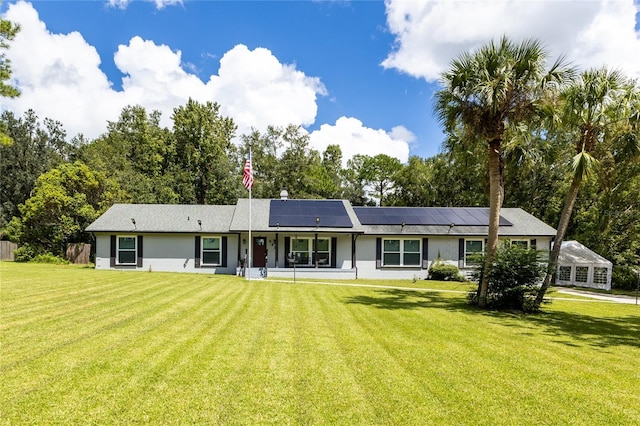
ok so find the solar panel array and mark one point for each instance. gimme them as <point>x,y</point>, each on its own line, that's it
<point>303,213</point>
<point>459,216</point>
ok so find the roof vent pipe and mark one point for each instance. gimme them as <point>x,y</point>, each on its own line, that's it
<point>284,195</point>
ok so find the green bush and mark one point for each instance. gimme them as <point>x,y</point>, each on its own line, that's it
<point>441,271</point>
<point>49,258</point>
<point>624,278</point>
<point>24,254</point>
<point>514,279</point>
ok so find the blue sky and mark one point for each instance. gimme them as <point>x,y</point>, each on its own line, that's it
<point>361,73</point>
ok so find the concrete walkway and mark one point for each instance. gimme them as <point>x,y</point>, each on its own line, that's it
<point>614,298</point>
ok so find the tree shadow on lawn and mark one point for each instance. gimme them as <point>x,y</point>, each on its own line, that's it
<point>566,327</point>
<point>588,329</point>
<point>411,299</point>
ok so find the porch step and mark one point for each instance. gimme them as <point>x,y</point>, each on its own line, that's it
<point>254,274</point>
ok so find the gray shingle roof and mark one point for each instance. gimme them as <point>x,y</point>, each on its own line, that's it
<point>522,224</point>
<point>224,219</point>
<point>164,218</point>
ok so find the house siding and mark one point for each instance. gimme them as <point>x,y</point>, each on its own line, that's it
<point>165,252</point>
<point>169,238</point>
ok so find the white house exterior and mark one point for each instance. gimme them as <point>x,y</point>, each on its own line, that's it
<point>326,238</point>
<point>582,267</point>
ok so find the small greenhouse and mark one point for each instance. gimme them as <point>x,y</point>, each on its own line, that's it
<point>582,267</point>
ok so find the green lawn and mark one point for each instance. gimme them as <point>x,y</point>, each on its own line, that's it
<point>80,346</point>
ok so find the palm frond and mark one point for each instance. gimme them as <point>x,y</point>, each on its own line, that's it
<point>583,165</point>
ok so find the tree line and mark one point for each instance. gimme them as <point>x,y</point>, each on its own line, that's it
<point>554,137</point>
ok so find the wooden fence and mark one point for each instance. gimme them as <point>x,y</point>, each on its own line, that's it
<point>78,253</point>
<point>6,250</point>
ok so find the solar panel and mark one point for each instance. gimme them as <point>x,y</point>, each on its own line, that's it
<point>308,213</point>
<point>459,216</point>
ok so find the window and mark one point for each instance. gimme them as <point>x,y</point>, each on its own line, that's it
<point>582,273</point>
<point>564,273</point>
<point>211,252</point>
<point>126,250</point>
<point>304,251</point>
<point>324,251</point>
<point>473,250</point>
<point>401,252</point>
<point>520,243</point>
<point>600,276</point>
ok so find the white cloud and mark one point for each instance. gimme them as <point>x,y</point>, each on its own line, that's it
<point>60,78</point>
<point>354,138</point>
<point>122,4</point>
<point>429,34</point>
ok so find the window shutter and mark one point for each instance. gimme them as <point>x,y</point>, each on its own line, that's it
<point>334,254</point>
<point>378,253</point>
<point>532,244</point>
<point>139,259</point>
<point>460,252</point>
<point>196,257</point>
<point>224,252</point>
<point>425,253</point>
<point>112,261</point>
<point>287,247</point>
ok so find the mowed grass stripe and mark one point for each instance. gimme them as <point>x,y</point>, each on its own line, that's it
<point>70,323</point>
<point>134,360</point>
<point>182,348</point>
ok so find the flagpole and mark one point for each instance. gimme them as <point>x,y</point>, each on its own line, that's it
<point>250,241</point>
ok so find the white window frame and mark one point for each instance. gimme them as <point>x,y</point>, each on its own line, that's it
<point>471,264</point>
<point>597,278</point>
<point>203,250</point>
<point>402,253</point>
<point>134,250</point>
<point>561,268</point>
<point>310,252</point>
<point>586,280</point>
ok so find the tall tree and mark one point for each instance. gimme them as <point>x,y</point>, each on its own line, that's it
<point>296,162</point>
<point>265,162</point>
<point>65,201</point>
<point>353,182</point>
<point>34,147</point>
<point>204,152</point>
<point>137,152</point>
<point>8,31</point>
<point>379,173</point>
<point>489,92</point>
<point>599,109</point>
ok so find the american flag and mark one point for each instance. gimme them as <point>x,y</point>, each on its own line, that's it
<point>247,177</point>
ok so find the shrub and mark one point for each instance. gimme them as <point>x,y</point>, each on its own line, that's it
<point>514,279</point>
<point>624,278</point>
<point>444,272</point>
<point>24,254</point>
<point>50,258</point>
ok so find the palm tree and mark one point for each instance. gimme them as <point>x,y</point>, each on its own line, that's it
<point>489,92</point>
<point>599,109</point>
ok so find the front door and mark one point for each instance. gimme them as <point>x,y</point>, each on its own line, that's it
<point>259,252</point>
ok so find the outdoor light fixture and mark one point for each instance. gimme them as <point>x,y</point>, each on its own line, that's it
<point>200,223</point>
<point>133,221</point>
<point>317,220</point>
